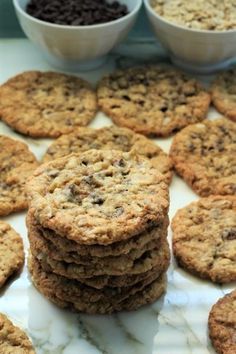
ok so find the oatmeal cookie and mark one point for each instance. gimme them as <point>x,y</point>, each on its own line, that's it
<point>101,281</point>
<point>224,93</point>
<point>118,263</point>
<point>98,197</point>
<point>12,339</point>
<point>149,259</point>
<point>204,154</point>
<point>83,139</point>
<point>222,324</point>
<point>46,104</point>
<point>204,238</point>
<point>153,100</point>
<point>69,294</point>
<point>11,252</point>
<point>17,163</point>
<point>115,249</point>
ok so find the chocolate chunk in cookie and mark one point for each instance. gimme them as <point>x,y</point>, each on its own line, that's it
<point>83,139</point>
<point>222,324</point>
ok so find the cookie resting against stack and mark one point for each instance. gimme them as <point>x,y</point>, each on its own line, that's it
<point>97,226</point>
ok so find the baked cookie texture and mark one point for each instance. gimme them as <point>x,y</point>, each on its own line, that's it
<point>153,100</point>
<point>12,339</point>
<point>11,252</point>
<point>17,163</point>
<point>204,154</point>
<point>98,197</point>
<point>64,245</point>
<point>110,138</point>
<point>204,238</point>
<point>97,226</point>
<point>118,264</point>
<point>223,92</point>
<point>56,290</point>
<point>150,259</point>
<point>222,324</point>
<point>46,104</point>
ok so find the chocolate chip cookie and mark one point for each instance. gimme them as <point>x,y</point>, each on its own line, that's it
<point>17,163</point>
<point>204,238</point>
<point>224,93</point>
<point>150,259</point>
<point>222,324</point>
<point>153,100</point>
<point>98,197</point>
<point>110,263</point>
<point>67,293</point>
<point>204,154</point>
<point>12,339</point>
<point>83,139</point>
<point>63,245</point>
<point>11,252</point>
<point>46,104</point>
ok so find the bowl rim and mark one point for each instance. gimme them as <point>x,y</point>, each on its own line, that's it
<point>69,27</point>
<point>174,25</point>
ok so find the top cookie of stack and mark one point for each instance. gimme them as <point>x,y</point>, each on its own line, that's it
<point>99,203</point>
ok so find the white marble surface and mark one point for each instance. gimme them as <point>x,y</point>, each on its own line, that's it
<point>176,324</point>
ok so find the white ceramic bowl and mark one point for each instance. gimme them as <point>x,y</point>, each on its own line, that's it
<point>76,47</point>
<point>195,50</point>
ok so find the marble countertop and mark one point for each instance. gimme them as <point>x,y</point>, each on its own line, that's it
<point>175,324</point>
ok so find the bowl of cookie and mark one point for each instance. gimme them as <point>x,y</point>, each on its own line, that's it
<point>74,34</point>
<point>200,36</point>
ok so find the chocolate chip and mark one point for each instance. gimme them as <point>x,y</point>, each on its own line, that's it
<point>53,173</point>
<point>190,147</point>
<point>96,199</point>
<point>121,163</point>
<point>118,212</point>
<point>151,225</point>
<point>76,12</point>
<point>229,234</point>
<point>74,194</point>
<point>164,109</point>
<point>89,179</point>
<point>127,98</point>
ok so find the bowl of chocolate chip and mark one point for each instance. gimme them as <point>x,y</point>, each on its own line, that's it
<point>76,34</point>
<point>199,35</point>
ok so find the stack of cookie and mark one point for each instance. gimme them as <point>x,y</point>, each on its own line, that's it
<point>110,138</point>
<point>97,227</point>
